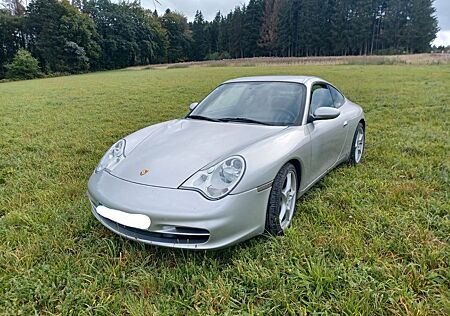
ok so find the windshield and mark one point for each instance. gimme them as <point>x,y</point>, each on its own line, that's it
<point>271,103</point>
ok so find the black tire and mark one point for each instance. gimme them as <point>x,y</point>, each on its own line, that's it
<point>273,222</point>
<point>354,157</point>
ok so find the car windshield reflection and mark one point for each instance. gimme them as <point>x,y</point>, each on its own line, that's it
<point>266,103</point>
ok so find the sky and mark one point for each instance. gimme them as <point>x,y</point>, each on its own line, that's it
<point>209,9</point>
<point>443,14</point>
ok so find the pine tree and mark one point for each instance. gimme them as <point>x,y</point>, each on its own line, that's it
<point>421,27</point>
<point>214,34</point>
<point>394,23</point>
<point>179,36</point>
<point>225,33</point>
<point>236,29</point>
<point>199,45</point>
<point>269,29</point>
<point>253,19</point>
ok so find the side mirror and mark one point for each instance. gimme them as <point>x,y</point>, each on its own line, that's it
<point>326,113</point>
<point>193,106</point>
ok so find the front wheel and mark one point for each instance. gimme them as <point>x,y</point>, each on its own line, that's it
<point>357,145</point>
<point>282,199</point>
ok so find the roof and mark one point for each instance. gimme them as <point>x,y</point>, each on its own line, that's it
<point>296,79</point>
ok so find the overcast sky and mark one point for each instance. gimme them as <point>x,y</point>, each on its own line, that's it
<point>209,9</point>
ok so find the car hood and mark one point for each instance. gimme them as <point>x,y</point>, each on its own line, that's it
<point>169,154</point>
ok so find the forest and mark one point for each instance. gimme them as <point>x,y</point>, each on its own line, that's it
<point>52,37</point>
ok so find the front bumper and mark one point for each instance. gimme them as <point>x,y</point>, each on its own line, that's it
<point>180,218</point>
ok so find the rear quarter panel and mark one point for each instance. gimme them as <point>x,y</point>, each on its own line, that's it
<point>355,114</point>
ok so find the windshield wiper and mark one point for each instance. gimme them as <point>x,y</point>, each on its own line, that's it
<point>242,119</point>
<point>204,118</point>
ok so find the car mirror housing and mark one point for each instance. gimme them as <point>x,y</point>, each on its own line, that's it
<point>326,113</point>
<point>193,106</point>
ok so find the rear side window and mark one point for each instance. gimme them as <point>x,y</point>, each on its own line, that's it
<point>338,98</point>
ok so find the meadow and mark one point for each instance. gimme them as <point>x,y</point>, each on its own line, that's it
<point>371,239</point>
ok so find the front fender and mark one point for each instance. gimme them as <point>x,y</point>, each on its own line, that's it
<point>265,158</point>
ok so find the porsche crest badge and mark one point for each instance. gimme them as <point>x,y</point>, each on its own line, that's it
<point>144,172</point>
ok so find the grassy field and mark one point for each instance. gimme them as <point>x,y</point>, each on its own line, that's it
<point>371,239</point>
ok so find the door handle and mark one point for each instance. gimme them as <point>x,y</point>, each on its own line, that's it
<point>345,123</point>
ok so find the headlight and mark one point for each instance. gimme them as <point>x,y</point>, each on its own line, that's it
<point>112,157</point>
<point>217,181</point>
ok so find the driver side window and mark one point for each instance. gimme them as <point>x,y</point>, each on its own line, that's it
<point>321,97</point>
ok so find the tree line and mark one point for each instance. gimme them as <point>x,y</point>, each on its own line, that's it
<point>86,35</point>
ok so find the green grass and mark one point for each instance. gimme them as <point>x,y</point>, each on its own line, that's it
<point>371,239</point>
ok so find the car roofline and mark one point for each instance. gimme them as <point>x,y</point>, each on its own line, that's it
<point>294,79</point>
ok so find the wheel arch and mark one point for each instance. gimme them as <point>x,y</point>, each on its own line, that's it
<point>363,122</point>
<point>298,168</point>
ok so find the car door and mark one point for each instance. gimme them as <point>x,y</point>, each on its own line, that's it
<point>327,136</point>
<point>341,103</point>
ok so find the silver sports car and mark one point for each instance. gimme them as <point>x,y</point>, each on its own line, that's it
<point>232,168</point>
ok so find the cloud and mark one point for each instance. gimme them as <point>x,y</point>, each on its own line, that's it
<point>442,39</point>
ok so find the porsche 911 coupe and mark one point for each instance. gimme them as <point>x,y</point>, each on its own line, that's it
<point>233,168</point>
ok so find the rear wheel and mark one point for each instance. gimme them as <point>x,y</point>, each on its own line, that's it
<point>358,145</point>
<point>281,206</point>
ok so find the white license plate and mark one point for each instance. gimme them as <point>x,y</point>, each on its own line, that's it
<point>139,221</point>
